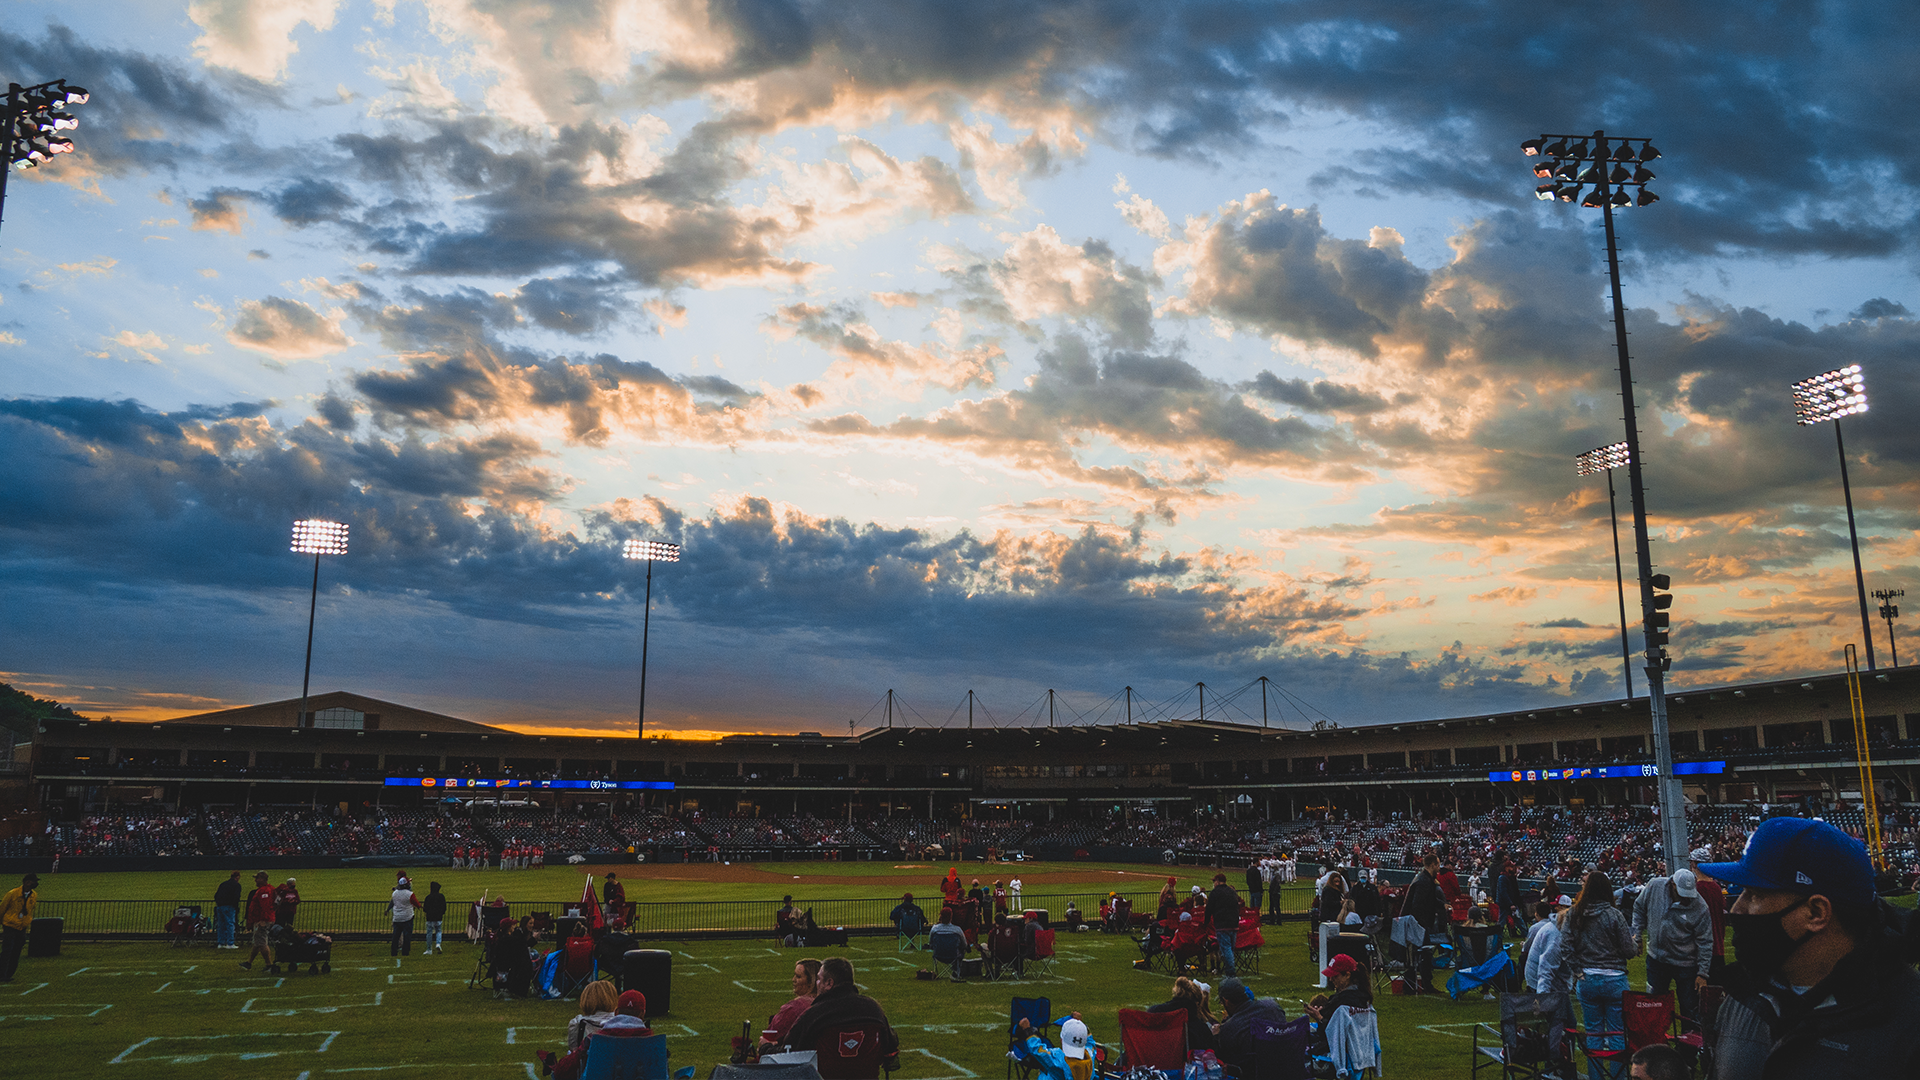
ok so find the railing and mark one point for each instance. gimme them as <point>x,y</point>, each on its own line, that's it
<point>372,919</point>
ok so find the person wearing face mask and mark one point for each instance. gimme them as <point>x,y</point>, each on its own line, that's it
<point>1820,985</point>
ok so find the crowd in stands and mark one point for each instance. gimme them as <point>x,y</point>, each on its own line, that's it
<point>551,832</point>
<point>130,834</point>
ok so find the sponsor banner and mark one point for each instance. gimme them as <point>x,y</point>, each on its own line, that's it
<point>1604,772</point>
<point>474,783</point>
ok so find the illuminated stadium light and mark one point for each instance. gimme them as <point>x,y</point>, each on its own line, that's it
<point>652,551</point>
<point>1601,160</point>
<point>318,536</point>
<point>1831,395</point>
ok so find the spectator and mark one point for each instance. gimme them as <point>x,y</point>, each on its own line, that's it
<point>1679,932</point>
<point>226,911</point>
<point>513,957</point>
<point>404,903</point>
<point>1716,899</point>
<point>806,986</point>
<point>1348,981</point>
<point>1168,902</point>
<point>907,917</point>
<point>1073,918</point>
<point>628,1021</point>
<point>838,1005</point>
<point>1540,955</point>
<point>1449,883</point>
<point>1233,1037</point>
<point>1333,896</point>
<point>286,903</point>
<point>259,918</point>
<point>1223,914</point>
<point>948,938</point>
<point>1256,884</point>
<point>16,918</point>
<point>1660,1061</point>
<point>1424,904</point>
<point>1821,985</point>
<point>614,895</point>
<point>1190,997</point>
<point>434,910</point>
<point>599,1003</point>
<point>1595,946</point>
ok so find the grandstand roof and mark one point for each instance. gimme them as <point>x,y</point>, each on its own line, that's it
<point>380,715</point>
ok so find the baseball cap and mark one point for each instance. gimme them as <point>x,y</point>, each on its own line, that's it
<point>1804,856</point>
<point>1685,884</point>
<point>1234,990</point>
<point>1700,854</point>
<point>1073,1038</point>
<point>1342,965</point>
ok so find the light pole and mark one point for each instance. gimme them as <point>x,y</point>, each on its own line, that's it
<point>1831,395</point>
<point>1613,166</point>
<point>652,551</point>
<point>315,537</point>
<point>31,126</point>
<point>1890,611</point>
<point>1605,459</point>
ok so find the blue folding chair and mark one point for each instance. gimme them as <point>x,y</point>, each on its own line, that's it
<point>1498,967</point>
<point>643,1058</point>
<point>1037,1012</point>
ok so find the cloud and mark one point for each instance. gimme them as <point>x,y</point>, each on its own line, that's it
<point>143,345</point>
<point>842,330</point>
<point>223,210</point>
<point>255,37</point>
<point>287,329</point>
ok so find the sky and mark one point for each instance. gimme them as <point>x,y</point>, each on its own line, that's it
<point>963,346</point>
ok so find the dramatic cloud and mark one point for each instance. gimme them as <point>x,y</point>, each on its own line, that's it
<point>255,37</point>
<point>287,329</point>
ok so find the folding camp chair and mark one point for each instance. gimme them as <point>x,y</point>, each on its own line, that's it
<point>1038,1013</point>
<point>1529,1044</point>
<point>1246,946</point>
<point>578,967</point>
<point>1353,1041</point>
<point>1495,974</point>
<point>1154,1040</point>
<point>1595,1045</point>
<point>1040,956</point>
<point>1364,952</point>
<point>910,933</point>
<point>947,952</point>
<point>1696,1036</point>
<point>639,1058</point>
<point>1280,1050</point>
<point>1003,952</point>
<point>852,1052</point>
<point>1649,1019</point>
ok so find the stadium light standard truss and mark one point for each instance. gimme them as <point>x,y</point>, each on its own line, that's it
<point>1605,459</point>
<point>1831,395</point>
<point>652,551</point>
<point>1890,611</point>
<point>315,537</point>
<point>1615,167</point>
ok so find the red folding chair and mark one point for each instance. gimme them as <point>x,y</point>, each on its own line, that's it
<point>1594,1045</point>
<point>1649,1018</point>
<point>1154,1040</point>
<point>1041,962</point>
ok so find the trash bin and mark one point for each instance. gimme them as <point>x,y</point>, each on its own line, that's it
<point>650,971</point>
<point>43,937</point>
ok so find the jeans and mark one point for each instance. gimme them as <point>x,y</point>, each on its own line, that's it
<point>1660,973</point>
<point>1600,997</point>
<point>1225,938</point>
<point>223,925</point>
<point>1254,897</point>
<point>432,936</point>
<point>402,939</point>
<point>11,941</point>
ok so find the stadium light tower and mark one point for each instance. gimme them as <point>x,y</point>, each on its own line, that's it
<point>1607,169</point>
<point>1605,459</point>
<point>31,125</point>
<point>1831,395</point>
<point>315,537</point>
<point>652,551</point>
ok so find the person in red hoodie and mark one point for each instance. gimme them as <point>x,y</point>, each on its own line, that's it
<point>628,1021</point>
<point>259,918</point>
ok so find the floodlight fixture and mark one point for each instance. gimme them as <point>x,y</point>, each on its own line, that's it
<point>1600,159</point>
<point>1830,395</point>
<point>652,551</point>
<point>29,123</point>
<point>1601,458</point>
<point>318,536</point>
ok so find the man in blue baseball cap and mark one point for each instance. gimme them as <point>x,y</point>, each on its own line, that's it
<point>1820,987</point>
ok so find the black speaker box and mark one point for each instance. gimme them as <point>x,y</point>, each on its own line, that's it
<point>650,971</point>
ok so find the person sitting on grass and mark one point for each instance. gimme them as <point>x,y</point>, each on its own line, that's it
<point>629,1021</point>
<point>806,986</point>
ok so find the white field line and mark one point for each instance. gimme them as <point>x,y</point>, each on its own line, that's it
<point>194,1057</point>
